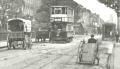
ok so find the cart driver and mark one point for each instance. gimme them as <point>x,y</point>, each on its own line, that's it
<point>92,39</point>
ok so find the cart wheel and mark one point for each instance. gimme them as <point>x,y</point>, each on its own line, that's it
<point>80,57</point>
<point>24,44</point>
<point>14,45</point>
<point>9,44</point>
<point>29,45</point>
<point>108,66</point>
<point>96,61</point>
<point>68,40</point>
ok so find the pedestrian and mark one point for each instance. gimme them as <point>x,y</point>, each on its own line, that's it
<point>111,35</point>
<point>117,37</point>
<point>92,39</point>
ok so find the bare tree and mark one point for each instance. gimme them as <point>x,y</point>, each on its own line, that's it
<point>8,9</point>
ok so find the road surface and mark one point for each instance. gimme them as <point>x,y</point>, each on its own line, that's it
<point>47,56</point>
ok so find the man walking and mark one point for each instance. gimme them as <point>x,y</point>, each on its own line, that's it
<point>117,37</point>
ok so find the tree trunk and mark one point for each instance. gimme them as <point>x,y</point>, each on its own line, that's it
<point>3,23</point>
<point>118,21</point>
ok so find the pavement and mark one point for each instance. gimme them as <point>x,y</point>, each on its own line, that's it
<point>3,43</point>
<point>113,54</point>
<point>116,56</point>
<point>105,49</point>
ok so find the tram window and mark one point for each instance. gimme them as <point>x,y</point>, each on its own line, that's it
<point>58,11</point>
<point>69,11</point>
<point>63,10</point>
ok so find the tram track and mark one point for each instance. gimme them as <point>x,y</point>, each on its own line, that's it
<point>57,57</point>
<point>15,50</point>
<point>41,56</point>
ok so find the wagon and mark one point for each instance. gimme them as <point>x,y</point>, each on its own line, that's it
<point>88,53</point>
<point>19,33</point>
<point>108,32</point>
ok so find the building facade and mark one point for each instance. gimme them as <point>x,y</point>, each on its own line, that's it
<point>30,7</point>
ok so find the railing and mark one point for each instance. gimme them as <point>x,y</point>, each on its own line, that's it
<point>3,36</point>
<point>62,19</point>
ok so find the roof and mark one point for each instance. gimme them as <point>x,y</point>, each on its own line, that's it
<point>17,19</point>
<point>109,24</point>
<point>70,3</point>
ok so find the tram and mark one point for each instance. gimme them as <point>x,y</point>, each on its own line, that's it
<point>62,23</point>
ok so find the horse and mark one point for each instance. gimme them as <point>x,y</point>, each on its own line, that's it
<point>42,35</point>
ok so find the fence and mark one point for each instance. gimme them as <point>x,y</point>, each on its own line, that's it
<point>3,36</point>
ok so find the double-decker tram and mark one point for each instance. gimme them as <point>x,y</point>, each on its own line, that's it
<point>62,20</point>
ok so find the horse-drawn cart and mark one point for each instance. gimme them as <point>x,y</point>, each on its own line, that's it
<point>88,53</point>
<point>19,33</point>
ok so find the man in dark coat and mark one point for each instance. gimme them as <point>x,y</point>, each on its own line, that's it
<point>92,39</point>
<point>117,36</point>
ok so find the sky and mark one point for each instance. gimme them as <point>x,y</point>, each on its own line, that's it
<point>107,14</point>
